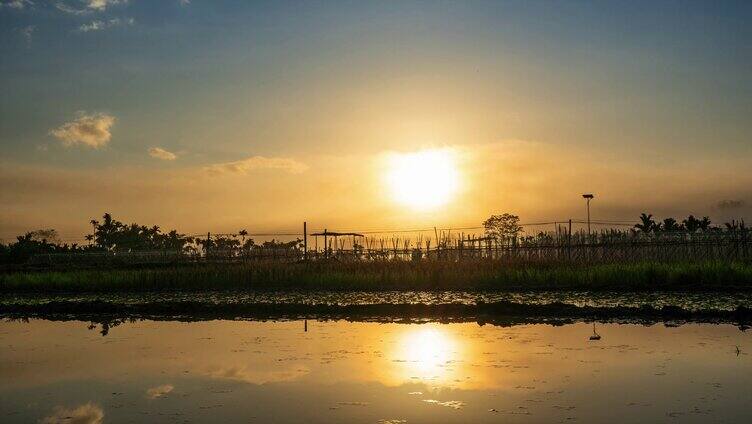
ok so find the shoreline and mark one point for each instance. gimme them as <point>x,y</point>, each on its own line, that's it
<point>497,313</point>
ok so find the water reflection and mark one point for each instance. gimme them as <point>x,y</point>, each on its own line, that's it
<point>84,414</point>
<point>428,353</point>
<point>595,336</point>
<point>341,371</point>
<point>159,391</point>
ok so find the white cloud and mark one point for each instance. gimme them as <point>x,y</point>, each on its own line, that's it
<point>102,4</point>
<point>17,4</point>
<point>159,391</point>
<point>160,153</point>
<point>67,9</point>
<point>92,26</point>
<point>88,6</point>
<point>84,414</point>
<point>92,130</point>
<point>255,163</point>
<point>98,25</point>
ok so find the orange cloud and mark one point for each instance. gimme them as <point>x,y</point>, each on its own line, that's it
<point>160,153</point>
<point>255,163</point>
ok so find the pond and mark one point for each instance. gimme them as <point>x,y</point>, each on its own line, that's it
<point>351,372</point>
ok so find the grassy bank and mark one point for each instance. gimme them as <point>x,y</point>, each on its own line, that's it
<point>375,276</point>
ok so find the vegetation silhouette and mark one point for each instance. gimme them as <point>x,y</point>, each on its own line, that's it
<point>669,255</point>
<point>111,235</point>
<point>689,225</point>
<point>503,227</point>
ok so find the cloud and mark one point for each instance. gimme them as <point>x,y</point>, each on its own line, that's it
<point>255,163</point>
<point>727,205</point>
<point>92,130</point>
<point>17,4</point>
<point>184,2</point>
<point>160,153</point>
<point>84,414</point>
<point>88,6</point>
<point>98,25</point>
<point>159,391</point>
<point>92,26</point>
<point>101,5</point>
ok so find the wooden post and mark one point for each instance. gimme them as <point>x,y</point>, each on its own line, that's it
<point>305,241</point>
<point>569,241</point>
<point>208,240</point>
<point>326,246</point>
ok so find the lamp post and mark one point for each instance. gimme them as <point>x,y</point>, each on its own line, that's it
<point>589,197</point>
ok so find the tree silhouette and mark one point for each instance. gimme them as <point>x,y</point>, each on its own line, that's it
<point>671,225</point>
<point>112,234</point>
<point>503,227</point>
<point>647,224</point>
<point>704,223</point>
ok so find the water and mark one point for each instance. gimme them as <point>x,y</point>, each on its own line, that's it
<point>353,372</point>
<point>725,301</point>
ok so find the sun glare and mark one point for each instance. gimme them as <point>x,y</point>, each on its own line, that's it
<point>423,180</point>
<point>427,352</point>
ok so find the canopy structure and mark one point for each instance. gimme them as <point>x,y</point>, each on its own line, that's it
<point>335,234</point>
<point>326,234</point>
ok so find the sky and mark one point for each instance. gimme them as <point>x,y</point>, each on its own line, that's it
<point>219,115</point>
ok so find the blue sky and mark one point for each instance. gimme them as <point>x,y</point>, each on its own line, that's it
<point>665,85</point>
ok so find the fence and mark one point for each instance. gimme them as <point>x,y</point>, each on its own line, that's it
<point>560,246</point>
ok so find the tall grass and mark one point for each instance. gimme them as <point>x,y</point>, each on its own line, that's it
<point>392,275</point>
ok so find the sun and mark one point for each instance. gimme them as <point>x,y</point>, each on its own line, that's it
<point>423,180</point>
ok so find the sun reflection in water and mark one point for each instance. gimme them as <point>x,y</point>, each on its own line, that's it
<point>426,354</point>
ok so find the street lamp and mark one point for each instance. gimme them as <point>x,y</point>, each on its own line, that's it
<point>589,197</point>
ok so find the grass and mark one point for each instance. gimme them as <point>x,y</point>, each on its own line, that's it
<point>395,275</point>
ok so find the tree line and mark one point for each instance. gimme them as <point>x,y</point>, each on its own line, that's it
<point>506,229</point>
<point>111,235</point>
<point>691,224</point>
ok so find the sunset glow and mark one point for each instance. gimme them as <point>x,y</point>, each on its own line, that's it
<point>423,180</point>
<point>427,351</point>
<point>375,211</point>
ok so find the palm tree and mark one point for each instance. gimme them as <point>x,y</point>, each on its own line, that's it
<point>670,225</point>
<point>646,224</point>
